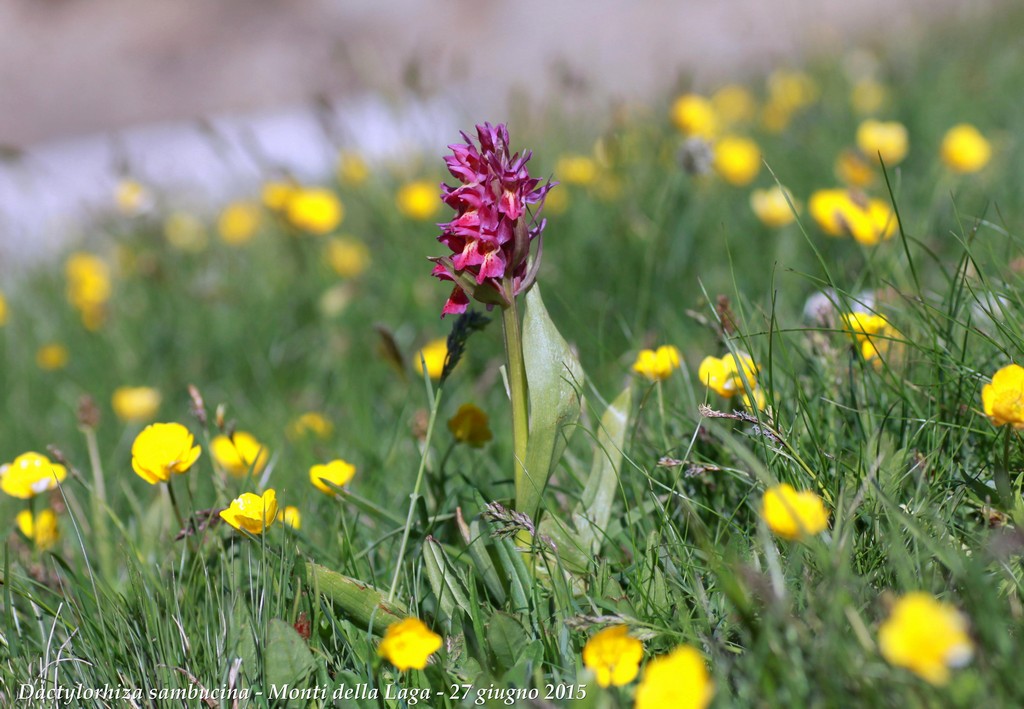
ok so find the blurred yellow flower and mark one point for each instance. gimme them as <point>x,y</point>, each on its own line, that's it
<point>161,450</point>
<point>348,257</point>
<point>853,170</point>
<point>252,513</point>
<point>793,515</point>
<point>135,403</point>
<point>408,644</point>
<point>308,423</point>
<point>314,209</point>
<point>775,117</point>
<point>792,90</point>
<point>331,475</point>
<point>657,365</point>
<point>41,529</point>
<point>725,375</point>
<point>925,636</point>
<point>841,213</point>
<point>556,202</point>
<point>434,354</point>
<point>868,96</point>
<point>3,310</point>
<point>88,287</point>
<point>131,197</point>
<point>238,222</point>
<point>576,170</point>
<point>352,169</point>
<point>469,425</point>
<point>1003,399</point>
<point>30,474</point>
<point>694,116</point>
<point>613,655</point>
<point>734,104</point>
<point>887,139</point>
<point>772,206</point>
<point>290,515</point>
<point>275,195</point>
<point>419,200</point>
<point>678,680</point>
<point>737,160</point>
<point>876,337</point>
<point>964,149</point>
<point>52,356</point>
<point>240,453</point>
<point>185,232</point>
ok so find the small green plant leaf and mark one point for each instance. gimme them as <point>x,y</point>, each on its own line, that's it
<point>554,376</point>
<point>594,510</point>
<point>288,659</point>
<point>445,581</point>
<point>507,639</point>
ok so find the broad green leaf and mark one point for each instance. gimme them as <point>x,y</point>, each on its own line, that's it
<point>554,377</point>
<point>595,507</point>
<point>477,542</point>
<point>445,582</point>
<point>287,659</point>
<point>363,604</point>
<point>507,639</point>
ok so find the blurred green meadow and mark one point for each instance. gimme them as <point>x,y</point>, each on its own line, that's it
<point>298,315</point>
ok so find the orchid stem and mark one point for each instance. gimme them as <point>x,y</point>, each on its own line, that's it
<point>527,490</point>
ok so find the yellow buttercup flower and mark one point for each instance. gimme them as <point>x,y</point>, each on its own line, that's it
<point>31,474</point>
<point>613,655</point>
<point>131,197</point>
<point>792,514</point>
<point>290,515</point>
<point>887,139</point>
<point>331,475</point>
<point>469,425</point>
<point>868,96</point>
<point>657,365</point>
<point>1003,399</point>
<point>925,636</point>
<point>408,644</point>
<point>275,195</point>
<point>186,232</point>
<point>853,170</point>
<point>238,222</point>
<point>252,513</point>
<point>52,356</point>
<point>734,104</point>
<point>576,170</point>
<point>775,116</point>
<point>841,213</point>
<point>3,310</point>
<point>308,423</point>
<point>419,200</point>
<point>314,209</point>
<point>135,403</point>
<point>348,257</point>
<point>352,169</point>
<point>41,529</point>
<point>725,375</point>
<point>875,335</point>
<point>964,149</point>
<point>161,450</point>
<point>88,289</point>
<point>772,206</point>
<point>792,90</point>
<point>240,453</point>
<point>678,680</point>
<point>737,160</point>
<point>434,354</point>
<point>694,116</point>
